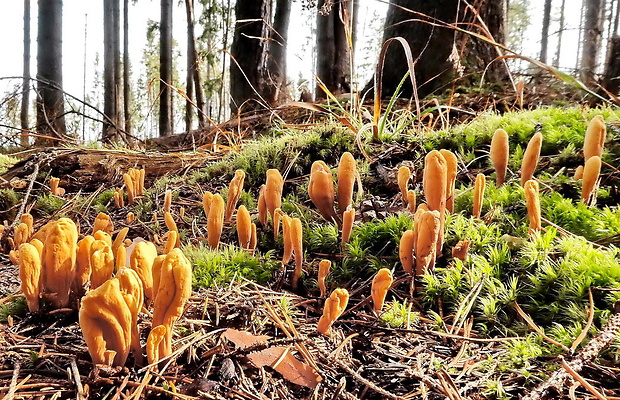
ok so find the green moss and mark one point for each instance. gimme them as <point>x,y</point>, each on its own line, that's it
<point>8,200</point>
<point>6,162</point>
<point>16,306</point>
<point>218,268</point>
<point>48,204</point>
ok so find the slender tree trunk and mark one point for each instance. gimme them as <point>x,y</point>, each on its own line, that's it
<point>165,69</point>
<point>333,50</point>
<point>591,39</point>
<point>275,88</point>
<point>189,78</point>
<point>226,20</point>
<point>544,39</point>
<point>110,79</point>
<point>558,49</point>
<point>26,75</point>
<point>193,73</point>
<point>611,78</point>
<point>50,101</point>
<point>248,68</point>
<point>614,32</point>
<point>126,69</point>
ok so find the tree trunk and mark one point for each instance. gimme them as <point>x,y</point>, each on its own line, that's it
<point>26,77</point>
<point>611,78</point>
<point>126,69</point>
<point>332,46</point>
<point>50,100</point>
<point>165,69</point>
<point>110,79</point>
<point>193,72</point>
<point>248,68</point>
<point>591,40</point>
<point>189,78</point>
<point>558,49</point>
<point>275,90</point>
<point>544,39</point>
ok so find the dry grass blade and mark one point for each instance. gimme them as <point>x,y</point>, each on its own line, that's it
<point>581,380</point>
<point>584,331</point>
<point>379,79</point>
<point>538,330</point>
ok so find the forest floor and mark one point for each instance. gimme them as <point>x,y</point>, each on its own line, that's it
<point>511,321</point>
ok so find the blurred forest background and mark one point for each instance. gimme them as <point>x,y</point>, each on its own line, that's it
<point>154,68</point>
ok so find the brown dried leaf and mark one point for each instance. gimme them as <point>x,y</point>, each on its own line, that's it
<point>286,364</point>
<point>244,339</point>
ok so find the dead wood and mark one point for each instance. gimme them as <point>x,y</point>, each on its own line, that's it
<point>86,169</point>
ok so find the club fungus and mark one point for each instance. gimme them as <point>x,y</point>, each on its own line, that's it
<point>101,235</point>
<point>262,207</point>
<point>435,182</point>
<point>404,174</point>
<point>273,191</point>
<point>321,190</point>
<point>591,173</point>
<point>207,198</point>
<point>532,201</point>
<point>298,252</point>
<point>594,140</point>
<point>276,222</point>
<point>58,262</point>
<point>29,221</point>
<point>381,283</point>
<point>157,263</point>
<point>530,158</point>
<point>82,264</point>
<point>119,201</point>
<point>172,226</point>
<point>141,260</point>
<point>405,250</point>
<point>479,187</point>
<point>55,189</point>
<point>119,239</point>
<point>234,193</point>
<point>129,186</point>
<point>500,152</point>
<point>253,238</point>
<point>175,288</point>
<point>101,263</point>
<point>244,227</point>
<point>411,201</point>
<point>156,336</point>
<point>215,222</point>
<point>578,173</point>
<point>288,241</point>
<point>29,274</point>
<point>427,235</point>
<point>451,167</point>
<point>20,236</point>
<point>347,223</point>
<point>133,294</point>
<point>103,222</point>
<point>346,180</point>
<point>324,267</point>
<point>335,305</point>
<point>167,200</point>
<point>172,237</point>
<point>39,246</point>
<point>105,320</point>
<point>461,249</point>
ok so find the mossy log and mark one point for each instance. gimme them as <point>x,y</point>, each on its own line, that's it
<point>87,169</point>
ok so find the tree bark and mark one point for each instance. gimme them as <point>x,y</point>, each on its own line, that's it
<point>165,69</point>
<point>558,49</point>
<point>50,100</point>
<point>26,76</point>
<point>591,40</point>
<point>193,72</point>
<point>126,69</point>
<point>248,68</point>
<point>442,54</point>
<point>110,78</point>
<point>611,77</point>
<point>275,88</point>
<point>544,38</point>
<point>332,46</point>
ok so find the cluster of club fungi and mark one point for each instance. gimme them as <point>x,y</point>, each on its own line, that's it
<point>116,279</point>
